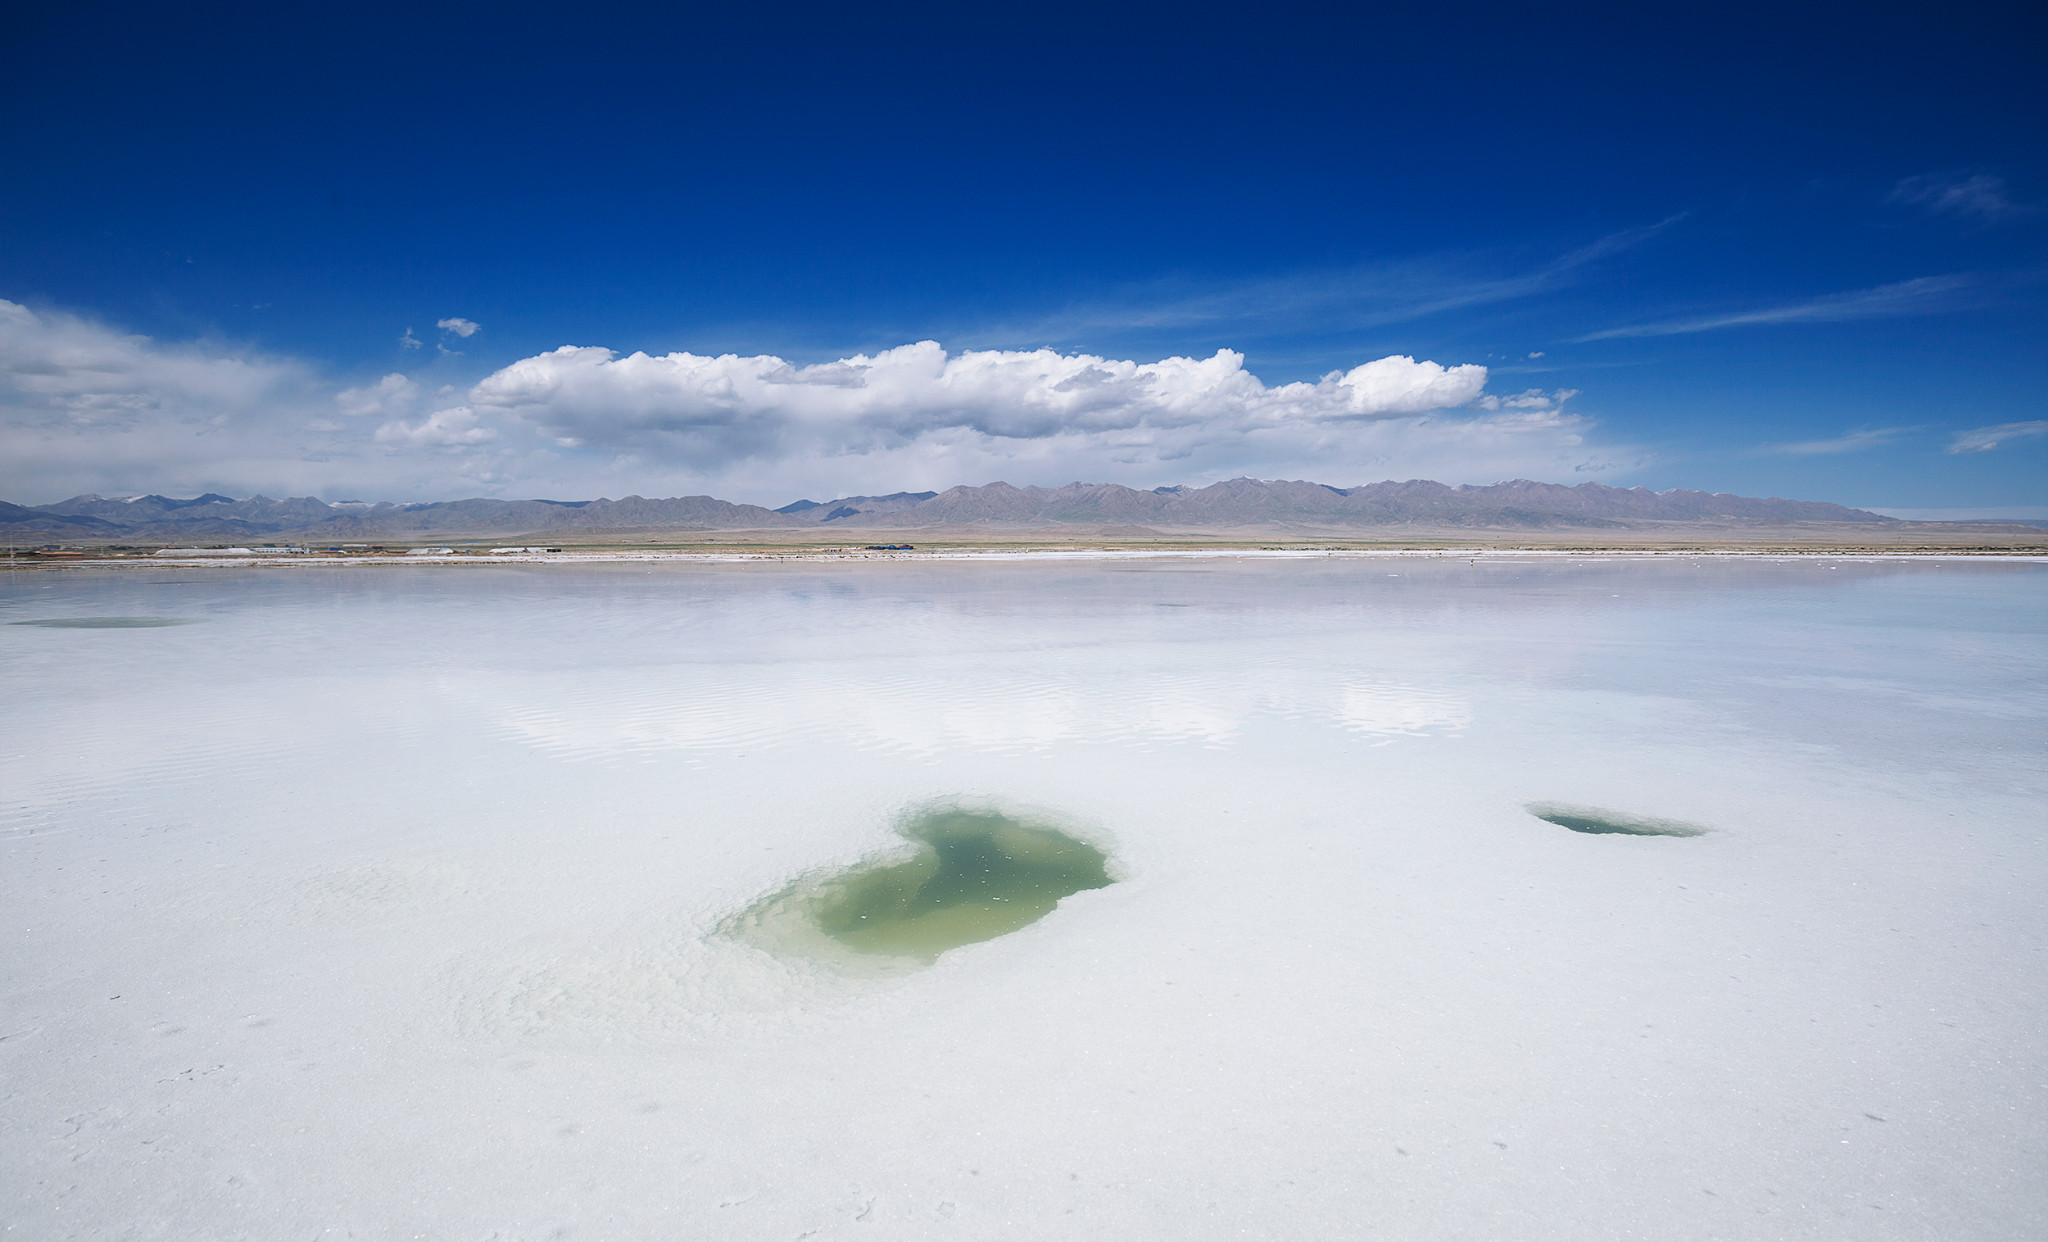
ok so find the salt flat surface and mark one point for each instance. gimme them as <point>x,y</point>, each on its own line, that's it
<point>387,904</point>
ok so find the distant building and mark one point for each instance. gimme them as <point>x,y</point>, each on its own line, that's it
<point>204,552</point>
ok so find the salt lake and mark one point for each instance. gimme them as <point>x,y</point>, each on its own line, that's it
<point>1382,897</point>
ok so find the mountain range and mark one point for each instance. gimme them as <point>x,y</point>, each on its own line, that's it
<point>1236,504</point>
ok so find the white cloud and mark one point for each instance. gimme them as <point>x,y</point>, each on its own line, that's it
<point>392,396</point>
<point>87,408</point>
<point>1529,399</point>
<point>451,428</point>
<point>728,406</point>
<point>459,326</point>
<point>84,407</point>
<point>64,374</point>
<point>409,341</point>
<point>1984,439</point>
<point>1980,196</point>
<point>917,416</point>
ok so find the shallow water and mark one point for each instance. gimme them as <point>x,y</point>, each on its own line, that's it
<point>430,900</point>
<point>103,623</point>
<point>1597,822</point>
<point>973,875</point>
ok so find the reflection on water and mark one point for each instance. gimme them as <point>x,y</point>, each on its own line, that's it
<point>927,706</point>
<point>973,876</point>
<point>1594,820</point>
<point>106,623</point>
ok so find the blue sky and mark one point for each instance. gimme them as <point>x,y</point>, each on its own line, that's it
<point>1782,251</point>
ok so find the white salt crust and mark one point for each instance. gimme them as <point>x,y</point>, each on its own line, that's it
<point>389,905</point>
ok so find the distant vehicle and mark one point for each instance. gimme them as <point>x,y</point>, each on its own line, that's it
<point>890,547</point>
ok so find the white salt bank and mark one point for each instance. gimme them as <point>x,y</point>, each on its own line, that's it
<point>1368,898</point>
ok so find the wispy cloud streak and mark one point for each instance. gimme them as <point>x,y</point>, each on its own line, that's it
<point>1923,295</point>
<point>1347,299</point>
<point>1853,442</point>
<point>1984,439</point>
<point>1980,197</point>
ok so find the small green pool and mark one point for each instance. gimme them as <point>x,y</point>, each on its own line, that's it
<point>105,623</point>
<point>972,875</point>
<point>1594,820</point>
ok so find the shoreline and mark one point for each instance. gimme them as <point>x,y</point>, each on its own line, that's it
<point>985,554</point>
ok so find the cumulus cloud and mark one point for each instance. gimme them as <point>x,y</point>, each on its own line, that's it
<point>392,395</point>
<point>459,326</point>
<point>1979,197</point>
<point>1984,439</point>
<point>456,427</point>
<point>409,341</point>
<point>84,407</point>
<point>718,408</point>
<point>919,416</point>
